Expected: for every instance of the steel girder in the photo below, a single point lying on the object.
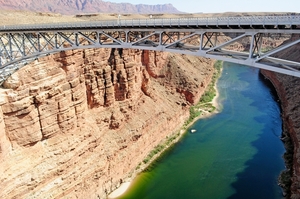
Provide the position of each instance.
(253, 47)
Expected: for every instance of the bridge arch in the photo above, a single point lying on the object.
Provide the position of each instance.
(242, 40)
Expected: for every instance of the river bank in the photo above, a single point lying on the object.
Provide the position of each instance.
(203, 109)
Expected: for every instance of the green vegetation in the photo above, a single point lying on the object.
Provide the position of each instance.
(266, 49)
(205, 102)
(194, 113)
(156, 150)
(160, 147)
(210, 92)
(138, 166)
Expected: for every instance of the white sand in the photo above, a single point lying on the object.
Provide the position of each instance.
(120, 190)
(215, 99)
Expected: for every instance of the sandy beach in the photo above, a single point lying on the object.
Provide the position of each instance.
(120, 190)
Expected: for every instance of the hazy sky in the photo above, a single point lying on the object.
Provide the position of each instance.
(216, 6)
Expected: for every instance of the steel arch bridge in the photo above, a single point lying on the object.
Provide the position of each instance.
(253, 40)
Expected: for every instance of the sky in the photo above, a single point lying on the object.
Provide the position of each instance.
(218, 6)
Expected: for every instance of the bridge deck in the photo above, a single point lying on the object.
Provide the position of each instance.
(208, 37)
(249, 22)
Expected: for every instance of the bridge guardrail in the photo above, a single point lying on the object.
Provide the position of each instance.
(207, 21)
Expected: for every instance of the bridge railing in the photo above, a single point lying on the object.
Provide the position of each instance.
(173, 22)
(215, 21)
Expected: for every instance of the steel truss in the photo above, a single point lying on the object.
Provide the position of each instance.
(259, 48)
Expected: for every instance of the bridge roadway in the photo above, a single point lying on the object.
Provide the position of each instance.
(257, 41)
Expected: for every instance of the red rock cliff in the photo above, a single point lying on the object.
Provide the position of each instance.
(77, 123)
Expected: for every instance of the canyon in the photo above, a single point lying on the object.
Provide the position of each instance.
(77, 123)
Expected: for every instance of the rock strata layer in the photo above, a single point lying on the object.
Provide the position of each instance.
(77, 123)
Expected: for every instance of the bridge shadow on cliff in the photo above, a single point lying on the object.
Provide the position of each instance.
(254, 182)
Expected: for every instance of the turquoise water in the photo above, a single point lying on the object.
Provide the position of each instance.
(235, 154)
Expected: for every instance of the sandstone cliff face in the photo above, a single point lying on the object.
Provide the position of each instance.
(77, 123)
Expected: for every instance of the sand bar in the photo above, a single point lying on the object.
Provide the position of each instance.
(120, 190)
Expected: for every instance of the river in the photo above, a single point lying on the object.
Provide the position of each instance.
(234, 154)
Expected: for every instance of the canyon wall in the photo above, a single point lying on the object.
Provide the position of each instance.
(76, 124)
(288, 89)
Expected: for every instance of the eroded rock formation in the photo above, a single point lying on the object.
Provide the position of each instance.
(77, 123)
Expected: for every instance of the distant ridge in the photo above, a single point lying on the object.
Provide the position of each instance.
(71, 7)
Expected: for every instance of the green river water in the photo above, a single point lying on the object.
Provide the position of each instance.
(235, 154)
